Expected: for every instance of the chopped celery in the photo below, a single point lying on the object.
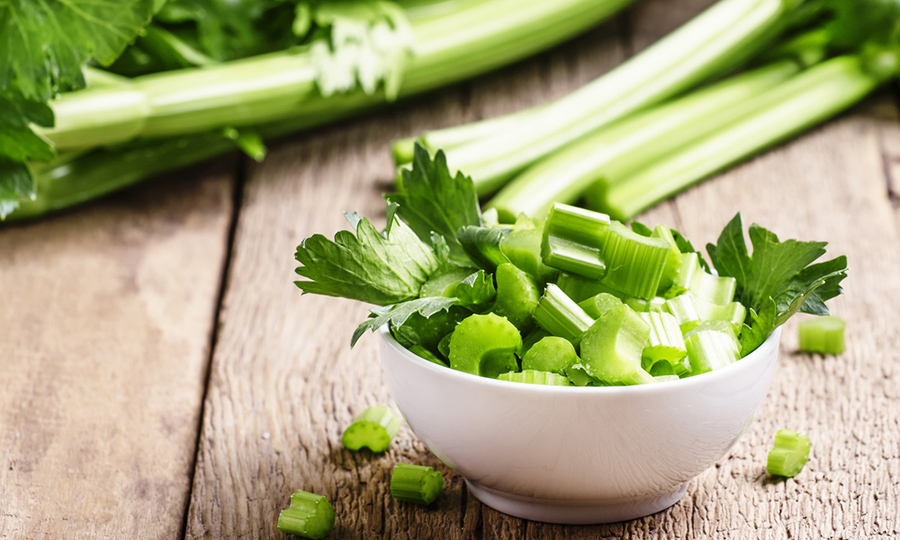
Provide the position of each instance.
(523, 248)
(685, 311)
(687, 269)
(714, 289)
(823, 335)
(673, 259)
(734, 313)
(572, 240)
(374, 429)
(533, 337)
(559, 315)
(666, 344)
(531, 376)
(712, 345)
(517, 295)
(552, 353)
(416, 483)
(485, 345)
(599, 304)
(309, 516)
(579, 376)
(611, 348)
(580, 289)
(789, 453)
(636, 263)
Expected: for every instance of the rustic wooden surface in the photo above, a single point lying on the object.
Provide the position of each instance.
(101, 401)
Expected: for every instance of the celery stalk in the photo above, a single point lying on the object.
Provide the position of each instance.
(561, 316)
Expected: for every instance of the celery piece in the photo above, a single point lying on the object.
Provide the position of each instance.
(531, 376)
(580, 289)
(309, 516)
(559, 315)
(636, 263)
(685, 311)
(611, 347)
(734, 313)
(485, 345)
(572, 240)
(822, 335)
(666, 344)
(416, 483)
(422, 352)
(687, 269)
(599, 304)
(789, 453)
(579, 376)
(523, 248)
(517, 295)
(712, 345)
(533, 337)
(714, 289)
(673, 258)
(374, 429)
(552, 353)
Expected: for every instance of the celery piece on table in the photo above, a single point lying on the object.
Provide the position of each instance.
(822, 335)
(789, 453)
(309, 516)
(416, 483)
(374, 429)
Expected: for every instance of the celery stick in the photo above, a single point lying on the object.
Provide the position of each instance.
(535, 377)
(309, 516)
(523, 249)
(374, 429)
(789, 453)
(416, 483)
(550, 354)
(673, 259)
(687, 269)
(611, 348)
(666, 344)
(517, 295)
(636, 263)
(822, 334)
(572, 240)
(711, 346)
(684, 309)
(714, 289)
(485, 345)
(558, 314)
(599, 304)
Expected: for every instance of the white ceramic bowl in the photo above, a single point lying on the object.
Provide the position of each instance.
(577, 455)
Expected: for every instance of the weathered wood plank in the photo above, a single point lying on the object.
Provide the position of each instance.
(106, 320)
(284, 382)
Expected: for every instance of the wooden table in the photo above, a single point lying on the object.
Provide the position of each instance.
(162, 377)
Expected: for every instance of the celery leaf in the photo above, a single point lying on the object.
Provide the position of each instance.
(398, 314)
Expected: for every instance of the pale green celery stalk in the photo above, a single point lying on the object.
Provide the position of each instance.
(717, 40)
(472, 39)
(807, 99)
(628, 145)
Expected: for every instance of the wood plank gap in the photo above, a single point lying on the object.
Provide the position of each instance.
(237, 198)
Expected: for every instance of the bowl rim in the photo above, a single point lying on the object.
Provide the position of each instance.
(703, 379)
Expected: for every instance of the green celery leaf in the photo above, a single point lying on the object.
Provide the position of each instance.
(369, 266)
(17, 140)
(641, 229)
(760, 327)
(16, 183)
(811, 288)
(45, 43)
(476, 290)
(431, 200)
(397, 314)
(482, 244)
(369, 43)
(864, 21)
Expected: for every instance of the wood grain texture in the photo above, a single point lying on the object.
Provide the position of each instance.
(284, 383)
(105, 329)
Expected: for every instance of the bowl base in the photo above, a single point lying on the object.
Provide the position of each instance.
(574, 512)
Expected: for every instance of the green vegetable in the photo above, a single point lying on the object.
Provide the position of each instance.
(374, 429)
(485, 345)
(789, 453)
(530, 376)
(711, 345)
(558, 314)
(572, 240)
(517, 295)
(636, 263)
(666, 344)
(416, 483)
(550, 354)
(823, 335)
(611, 348)
(309, 516)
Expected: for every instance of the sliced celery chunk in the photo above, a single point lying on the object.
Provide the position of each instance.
(416, 483)
(733, 313)
(687, 269)
(712, 345)
(552, 353)
(559, 315)
(579, 288)
(666, 344)
(579, 376)
(684, 309)
(673, 258)
(309, 516)
(374, 429)
(822, 335)
(531, 376)
(789, 453)
(531, 338)
(572, 240)
(599, 304)
(517, 295)
(611, 348)
(485, 345)
(635, 263)
(523, 248)
(713, 289)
